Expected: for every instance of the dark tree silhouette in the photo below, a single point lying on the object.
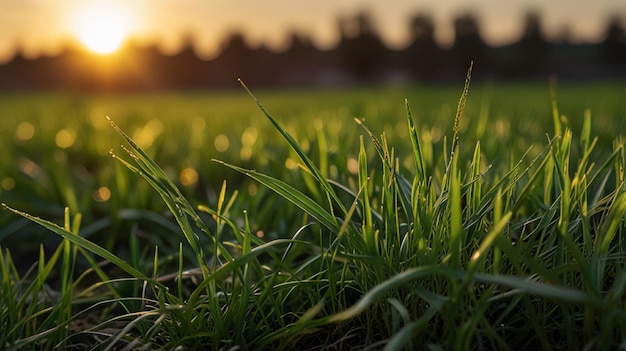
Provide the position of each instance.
(300, 62)
(614, 43)
(235, 59)
(423, 54)
(360, 49)
(189, 72)
(468, 43)
(532, 48)
(359, 57)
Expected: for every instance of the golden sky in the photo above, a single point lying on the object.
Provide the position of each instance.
(42, 26)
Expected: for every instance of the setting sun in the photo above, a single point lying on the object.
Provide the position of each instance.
(101, 26)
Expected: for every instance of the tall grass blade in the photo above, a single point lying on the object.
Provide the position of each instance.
(460, 108)
(418, 157)
(311, 167)
(556, 120)
(82, 242)
(290, 193)
(368, 228)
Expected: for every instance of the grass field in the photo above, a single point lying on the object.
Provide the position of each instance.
(498, 228)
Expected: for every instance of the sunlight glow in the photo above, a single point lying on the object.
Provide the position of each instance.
(25, 131)
(221, 143)
(102, 194)
(8, 183)
(188, 177)
(101, 26)
(65, 138)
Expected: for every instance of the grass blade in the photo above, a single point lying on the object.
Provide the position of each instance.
(84, 243)
(311, 167)
(292, 194)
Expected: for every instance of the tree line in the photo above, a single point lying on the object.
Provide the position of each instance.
(360, 57)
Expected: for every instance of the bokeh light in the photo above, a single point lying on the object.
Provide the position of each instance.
(144, 137)
(97, 117)
(65, 138)
(221, 143)
(291, 164)
(8, 183)
(188, 176)
(353, 166)
(248, 138)
(25, 131)
(102, 194)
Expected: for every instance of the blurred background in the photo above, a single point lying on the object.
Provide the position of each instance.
(166, 72)
(91, 45)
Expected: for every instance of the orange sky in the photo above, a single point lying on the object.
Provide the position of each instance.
(40, 26)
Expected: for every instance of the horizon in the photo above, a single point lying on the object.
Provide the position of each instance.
(37, 28)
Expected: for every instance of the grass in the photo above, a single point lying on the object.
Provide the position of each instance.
(441, 245)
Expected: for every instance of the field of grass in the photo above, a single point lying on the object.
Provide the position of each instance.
(198, 221)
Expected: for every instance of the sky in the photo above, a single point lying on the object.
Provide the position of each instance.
(42, 26)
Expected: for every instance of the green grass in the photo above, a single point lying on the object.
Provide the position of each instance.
(498, 226)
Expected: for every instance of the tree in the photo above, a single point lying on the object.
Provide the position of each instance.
(423, 53)
(360, 49)
(468, 43)
(614, 43)
(532, 48)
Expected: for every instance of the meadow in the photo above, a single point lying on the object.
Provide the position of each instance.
(339, 218)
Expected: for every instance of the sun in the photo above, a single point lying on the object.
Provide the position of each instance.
(101, 26)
